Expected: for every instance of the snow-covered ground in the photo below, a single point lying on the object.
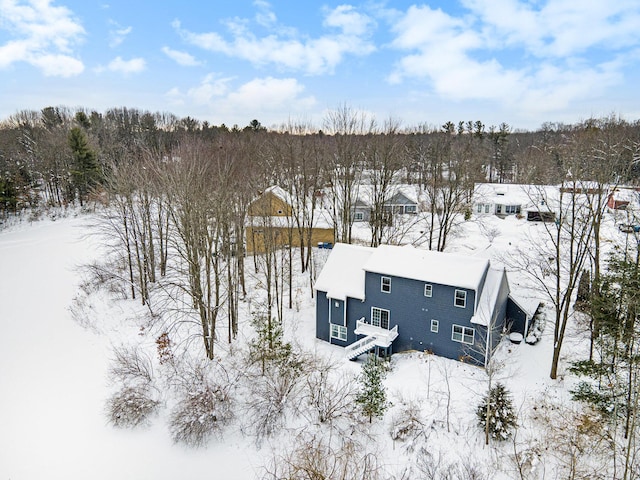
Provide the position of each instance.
(53, 377)
(53, 372)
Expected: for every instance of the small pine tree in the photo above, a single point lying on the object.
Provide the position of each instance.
(269, 346)
(502, 417)
(372, 397)
(584, 292)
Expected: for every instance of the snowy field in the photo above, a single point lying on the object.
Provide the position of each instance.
(53, 372)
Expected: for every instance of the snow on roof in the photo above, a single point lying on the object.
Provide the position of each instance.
(281, 193)
(624, 194)
(428, 266)
(504, 194)
(343, 274)
(321, 219)
(528, 304)
(410, 192)
(488, 297)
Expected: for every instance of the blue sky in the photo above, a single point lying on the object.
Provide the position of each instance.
(523, 62)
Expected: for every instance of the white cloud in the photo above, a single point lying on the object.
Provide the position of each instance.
(135, 65)
(210, 88)
(285, 49)
(560, 27)
(181, 58)
(118, 34)
(58, 65)
(508, 53)
(265, 15)
(264, 97)
(41, 34)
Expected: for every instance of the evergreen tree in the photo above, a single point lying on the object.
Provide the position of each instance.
(610, 381)
(84, 169)
(498, 409)
(372, 397)
(584, 292)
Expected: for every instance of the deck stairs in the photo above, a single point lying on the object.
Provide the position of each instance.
(374, 337)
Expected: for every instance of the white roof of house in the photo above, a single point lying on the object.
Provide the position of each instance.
(502, 193)
(365, 192)
(343, 274)
(428, 266)
(488, 297)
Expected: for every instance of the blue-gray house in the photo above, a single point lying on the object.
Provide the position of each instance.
(404, 298)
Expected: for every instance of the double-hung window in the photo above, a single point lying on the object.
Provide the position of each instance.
(385, 284)
(435, 325)
(463, 334)
(380, 317)
(428, 290)
(339, 332)
(460, 299)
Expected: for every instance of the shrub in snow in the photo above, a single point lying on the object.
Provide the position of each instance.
(497, 410)
(536, 328)
(131, 406)
(372, 396)
(136, 400)
(320, 456)
(407, 424)
(328, 396)
(271, 397)
(198, 414)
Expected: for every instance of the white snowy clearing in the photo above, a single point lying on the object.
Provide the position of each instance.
(53, 374)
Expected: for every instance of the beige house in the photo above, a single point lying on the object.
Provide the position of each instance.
(271, 223)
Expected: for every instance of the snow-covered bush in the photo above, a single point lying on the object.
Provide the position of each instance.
(131, 406)
(136, 399)
(536, 328)
(271, 396)
(200, 412)
(321, 456)
(328, 396)
(407, 423)
(498, 411)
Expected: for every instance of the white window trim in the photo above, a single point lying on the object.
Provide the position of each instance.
(464, 300)
(382, 284)
(464, 332)
(435, 326)
(430, 289)
(340, 330)
(358, 216)
(388, 317)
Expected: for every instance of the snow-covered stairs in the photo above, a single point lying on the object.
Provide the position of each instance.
(358, 348)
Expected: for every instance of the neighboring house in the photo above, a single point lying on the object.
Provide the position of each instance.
(270, 221)
(619, 199)
(500, 199)
(398, 204)
(361, 211)
(503, 200)
(403, 298)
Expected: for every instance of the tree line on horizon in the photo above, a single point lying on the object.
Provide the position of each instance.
(58, 156)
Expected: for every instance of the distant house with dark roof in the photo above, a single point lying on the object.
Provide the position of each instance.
(400, 203)
(403, 298)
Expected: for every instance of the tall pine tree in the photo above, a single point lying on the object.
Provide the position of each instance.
(85, 173)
